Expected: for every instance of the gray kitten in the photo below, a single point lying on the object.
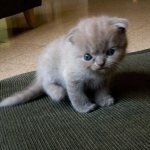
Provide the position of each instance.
(83, 59)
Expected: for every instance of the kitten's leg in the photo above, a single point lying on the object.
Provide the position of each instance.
(79, 100)
(103, 98)
(56, 92)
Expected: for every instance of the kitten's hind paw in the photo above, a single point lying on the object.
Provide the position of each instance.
(58, 95)
(105, 101)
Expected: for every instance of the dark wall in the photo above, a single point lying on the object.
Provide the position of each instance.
(11, 7)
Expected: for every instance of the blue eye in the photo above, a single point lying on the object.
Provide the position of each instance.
(111, 51)
(87, 57)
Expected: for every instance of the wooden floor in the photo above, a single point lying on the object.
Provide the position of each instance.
(21, 46)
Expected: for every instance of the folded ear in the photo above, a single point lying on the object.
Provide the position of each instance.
(71, 34)
(121, 23)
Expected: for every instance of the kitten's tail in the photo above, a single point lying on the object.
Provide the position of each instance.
(31, 92)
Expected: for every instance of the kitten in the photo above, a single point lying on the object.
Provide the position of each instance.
(85, 58)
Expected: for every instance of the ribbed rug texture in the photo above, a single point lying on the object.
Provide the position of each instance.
(46, 125)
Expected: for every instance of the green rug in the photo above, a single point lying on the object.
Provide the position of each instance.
(46, 125)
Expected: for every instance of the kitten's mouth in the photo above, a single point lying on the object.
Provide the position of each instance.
(100, 69)
(104, 69)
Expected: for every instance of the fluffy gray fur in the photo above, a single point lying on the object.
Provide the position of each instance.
(63, 69)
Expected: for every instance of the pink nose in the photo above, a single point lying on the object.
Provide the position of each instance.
(100, 64)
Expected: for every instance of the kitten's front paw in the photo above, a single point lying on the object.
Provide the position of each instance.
(85, 108)
(105, 101)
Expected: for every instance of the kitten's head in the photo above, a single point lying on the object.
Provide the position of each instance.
(101, 42)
